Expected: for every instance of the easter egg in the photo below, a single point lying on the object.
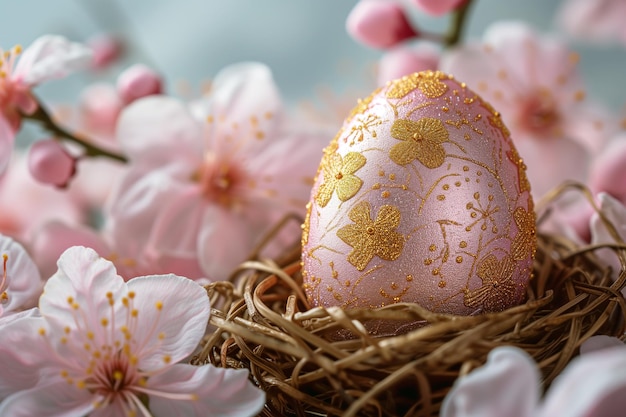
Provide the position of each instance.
(421, 198)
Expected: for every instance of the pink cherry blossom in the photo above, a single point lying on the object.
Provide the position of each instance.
(47, 58)
(379, 23)
(105, 347)
(404, 60)
(598, 20)
(508, 385)
(50, 163)
(438, 7)
(533, 82)
(205, 183)
(20, 282)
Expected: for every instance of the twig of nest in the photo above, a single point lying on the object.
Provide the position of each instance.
(261, 322)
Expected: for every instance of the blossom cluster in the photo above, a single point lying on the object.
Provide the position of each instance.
(110, 225)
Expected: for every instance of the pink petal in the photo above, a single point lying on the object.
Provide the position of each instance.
(591, 385)
(438, 7)
(7, 137)
(53, 238)
(405, 60)
(552, 162)
(600, 342)
(286, 186)
(176, 226)
(224, 242)
(51, 57)
(25, 284)
(21, 353)
(154, 128)
(246, 110)
(176, 327)
(507, 386)
(220, 392)
(56, 399)
(76, 295)
(615, 213)
(100, 107)
(379, 24)
(138, 201)
(608, 169)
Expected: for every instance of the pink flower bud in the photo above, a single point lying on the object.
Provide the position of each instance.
(50, 163)
(404, 60)
(379, 24)
(439, 7)
(138, 81)
(106, 50)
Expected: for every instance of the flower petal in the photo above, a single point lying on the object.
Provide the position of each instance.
(220, 392)
(599, 342)
(76, 295)
(54, 237)
(25, 284)
(245, 104)
(591, 385)
(219, 256)
(507, 386)
(151, 129)
(58, 399)
(173, 328)
(615, 213)
(7, 138)
(51, 57)
(21, 353)
(140, 198)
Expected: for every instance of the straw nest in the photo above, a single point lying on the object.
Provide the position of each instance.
(261, 321)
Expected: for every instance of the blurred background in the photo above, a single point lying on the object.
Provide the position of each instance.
(304, 42)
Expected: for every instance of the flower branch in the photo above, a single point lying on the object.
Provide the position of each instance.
(459, 19)
(42, 116)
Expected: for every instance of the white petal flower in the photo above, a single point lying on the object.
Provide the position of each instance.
(106, 347)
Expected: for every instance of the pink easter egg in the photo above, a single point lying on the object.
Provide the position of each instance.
(421, 198)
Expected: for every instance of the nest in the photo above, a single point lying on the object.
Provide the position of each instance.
(261, 322)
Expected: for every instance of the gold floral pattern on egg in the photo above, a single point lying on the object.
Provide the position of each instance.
(523, 183)
(339, 177)
(370, 238)
(421, 140)
(525, 240)
(498, 285)
(428, 82)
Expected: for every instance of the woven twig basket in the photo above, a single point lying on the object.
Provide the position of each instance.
(261, 322)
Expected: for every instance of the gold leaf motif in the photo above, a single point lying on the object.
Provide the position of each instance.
(498, 285)
(525, 241)
(339, 176)
(372, 237)
(421, 140)
(428, 82)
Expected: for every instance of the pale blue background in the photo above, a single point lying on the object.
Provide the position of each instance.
(303, 41)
